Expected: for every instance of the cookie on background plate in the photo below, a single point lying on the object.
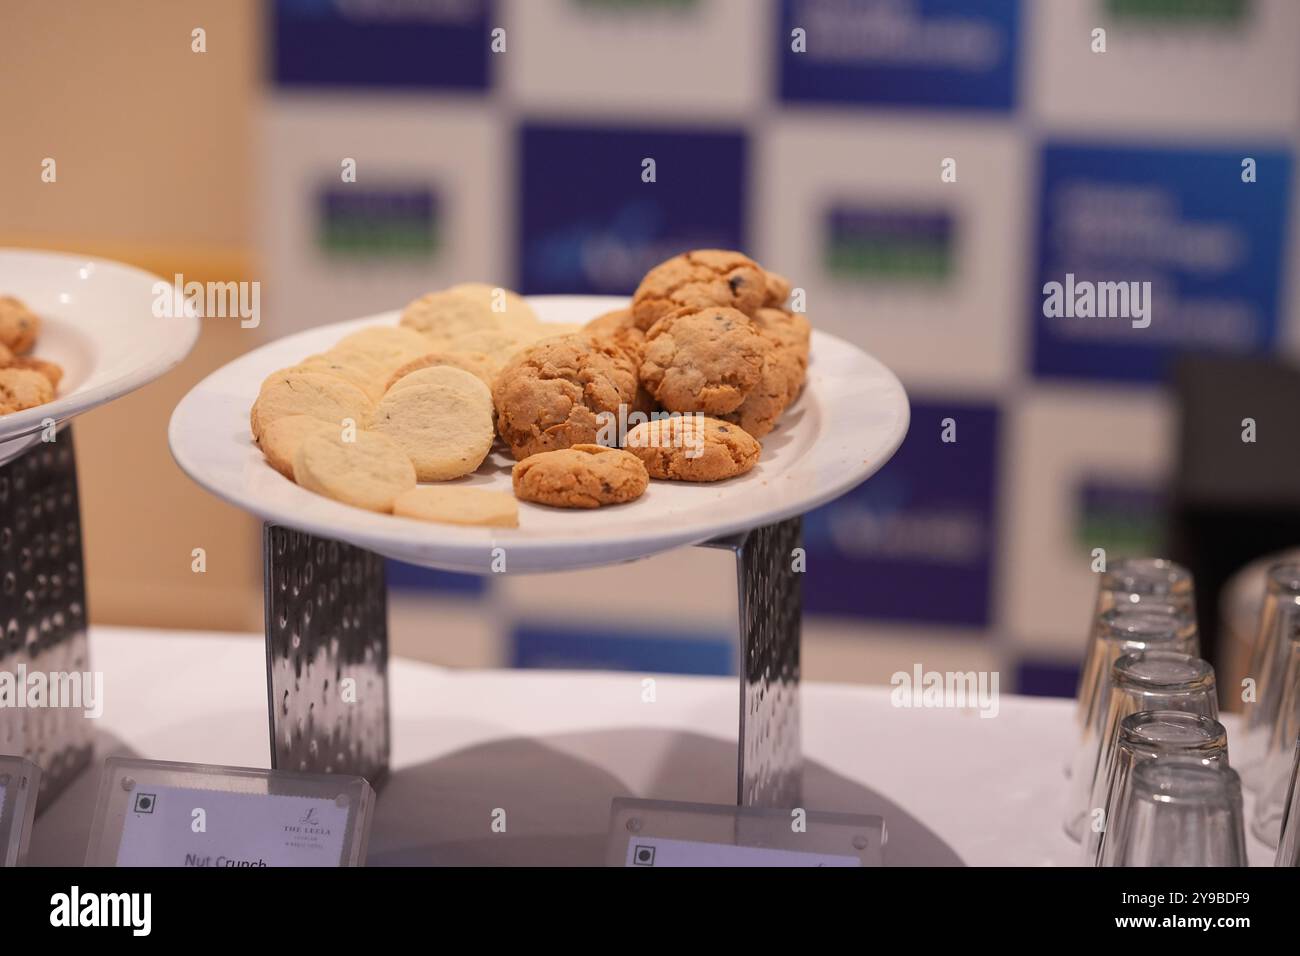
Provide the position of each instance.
(370, 471)
(549, 395)
(23, 388)
(479, 364)
(693, 448)
(697, 280)
(457, 504)
(19, 325)
(584, 476)
(444, 425)
(703, 361)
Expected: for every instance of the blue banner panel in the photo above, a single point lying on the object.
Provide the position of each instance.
(916, 541)
(591, 223)
(411, 44)
(1147, 253)
(913, 53)
(573, 648)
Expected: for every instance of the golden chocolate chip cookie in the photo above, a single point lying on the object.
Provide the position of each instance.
(549, 396)
(584, 476)
(697, 280)
(703, 361)
(22, 388)
(19, 325)
(693, 448)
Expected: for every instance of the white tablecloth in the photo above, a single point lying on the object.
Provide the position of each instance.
(554, 748)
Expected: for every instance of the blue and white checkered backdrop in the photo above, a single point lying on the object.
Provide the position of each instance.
(812, 133)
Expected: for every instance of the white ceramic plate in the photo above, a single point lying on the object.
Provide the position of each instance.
(97, 322)
(851, 418)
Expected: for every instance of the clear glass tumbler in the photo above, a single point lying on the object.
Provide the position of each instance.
(1123, 630)
(1125, 582)
(1278, 620)
(1288, 848)
(1181, 812)
(1145, 736)
(1273, 773)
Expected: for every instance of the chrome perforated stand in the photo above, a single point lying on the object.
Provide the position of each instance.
(326, 655)
(326, 610)
(43, 600)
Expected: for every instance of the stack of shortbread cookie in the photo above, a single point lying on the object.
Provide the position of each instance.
(703, 362)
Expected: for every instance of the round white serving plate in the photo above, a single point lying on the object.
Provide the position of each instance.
(850, 419)
(97, 322)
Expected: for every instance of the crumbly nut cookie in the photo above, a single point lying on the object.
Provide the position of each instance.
(390, 345)
(455, 504)
(790, 329)
(281, 439)
(297, 392)
(778, 384)
(697, 280)
(444, 425)
(478, 364)
(703, 361)
(19, 325)
(693, 448)
(369, 472)
(50, 370)
(777, 289)
(22, 388)
(620, 327)
(583, 476)
(549, 395)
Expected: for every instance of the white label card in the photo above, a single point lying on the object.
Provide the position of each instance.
(178, 826)
(654, 851)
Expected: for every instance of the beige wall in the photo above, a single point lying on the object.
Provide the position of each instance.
(154, 155)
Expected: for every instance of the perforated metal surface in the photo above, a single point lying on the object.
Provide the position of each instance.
(327, 655)
(771, 606)
(43, 606)
(770, 761)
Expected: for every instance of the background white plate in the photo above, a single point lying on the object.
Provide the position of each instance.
(97, 322)
(851, 418)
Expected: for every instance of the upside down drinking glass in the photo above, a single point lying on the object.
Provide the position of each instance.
(1123, 630)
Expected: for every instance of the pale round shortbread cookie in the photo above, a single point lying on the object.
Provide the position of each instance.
(295, 392)
(364, 371)
(459, 505)
(369, 472)
(391, 345)
(464, 309)
(444, 425)
(281, 438)
(482, 366)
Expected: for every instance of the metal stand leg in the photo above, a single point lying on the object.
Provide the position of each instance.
(326, 622)
(43, 607)
(769, 765)
(326, 655)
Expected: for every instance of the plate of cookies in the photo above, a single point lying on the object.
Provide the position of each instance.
(76, 332)
(479, 431)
